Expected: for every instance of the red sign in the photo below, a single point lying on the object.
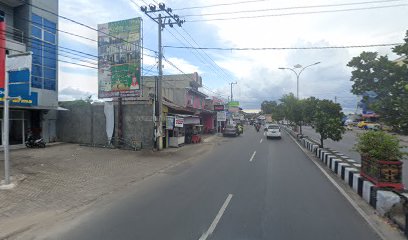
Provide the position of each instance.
(218, 107)
(2, 49)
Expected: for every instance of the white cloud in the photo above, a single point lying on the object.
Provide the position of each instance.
(70, 94)
(181, 64)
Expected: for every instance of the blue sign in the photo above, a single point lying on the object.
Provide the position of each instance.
(19, 86)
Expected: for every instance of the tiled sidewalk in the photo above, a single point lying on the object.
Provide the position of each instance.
(63, 177)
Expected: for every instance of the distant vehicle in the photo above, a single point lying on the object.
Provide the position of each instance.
(362, 124)
(372, 126)
(230, 130)
(273, 131)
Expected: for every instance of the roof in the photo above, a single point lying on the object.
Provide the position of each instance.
(176, 108)
(197, 92)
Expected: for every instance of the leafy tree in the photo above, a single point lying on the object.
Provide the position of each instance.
(309, 109)
(327, 121)
(268, 107)
(292, 109)
(388, 80)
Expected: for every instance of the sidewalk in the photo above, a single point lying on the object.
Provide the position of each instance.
(56, 180)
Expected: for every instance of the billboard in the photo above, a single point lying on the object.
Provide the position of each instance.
(19, 71)
(233, 104)
(119, 59)
(218, 107)
(221, 116)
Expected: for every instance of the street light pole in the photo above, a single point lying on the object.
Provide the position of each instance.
(298, 74)
(231, 89)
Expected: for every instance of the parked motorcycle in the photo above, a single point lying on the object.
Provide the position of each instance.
(33, 142)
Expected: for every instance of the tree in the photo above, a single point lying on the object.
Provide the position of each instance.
(327, 120)
(268, 107)
(292, 109)
(388, 80)
(309, 109)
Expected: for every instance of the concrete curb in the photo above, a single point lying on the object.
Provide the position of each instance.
(349, 171)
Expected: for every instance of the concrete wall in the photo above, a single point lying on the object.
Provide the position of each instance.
(86, 124)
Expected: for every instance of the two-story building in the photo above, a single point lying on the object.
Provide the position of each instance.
(26, 27)
(181, 99)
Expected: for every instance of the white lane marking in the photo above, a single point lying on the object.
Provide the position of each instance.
(341, 190)
(216, 219)
(264, 133)
(261, 140)
(253, 155)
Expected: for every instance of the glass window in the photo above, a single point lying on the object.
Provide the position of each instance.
(50, 62)
(36, 32)
(50, 73)
(37, 20)
(49, 84)
(37, 70)
(37, 55)
(49, 37)
(50, 26)
(36, 82)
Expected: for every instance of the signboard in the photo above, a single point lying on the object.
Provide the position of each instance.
(218, 107)
(192, 120)
(179, 122)
(19, 71)
(233, 104)
(170, 122)
(119, 59)
(221, 116)
(233, 109)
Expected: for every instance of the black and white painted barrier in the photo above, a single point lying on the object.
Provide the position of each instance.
(349, 170)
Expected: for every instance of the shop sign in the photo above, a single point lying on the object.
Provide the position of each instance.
(221, 116)
(218, 107)
(170, 122)
(179, 122)
(233, 104)
(192, 120)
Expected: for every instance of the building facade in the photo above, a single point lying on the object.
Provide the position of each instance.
(31, 26)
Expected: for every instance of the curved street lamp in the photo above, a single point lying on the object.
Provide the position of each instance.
(298, 74)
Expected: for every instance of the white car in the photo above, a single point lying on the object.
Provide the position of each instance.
(274, 131)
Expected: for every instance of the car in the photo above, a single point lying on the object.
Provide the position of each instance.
(372, 126)
(362, 124)
(230, 130)
(274, 131)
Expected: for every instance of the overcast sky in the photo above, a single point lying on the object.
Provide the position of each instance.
(256, 72)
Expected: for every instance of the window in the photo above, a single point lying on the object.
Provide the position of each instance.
(50, 26)
(36, 82)
(50, 73)
(49, 37)
(36, 32)
(37, 70)
(37, 20)
(49, 84)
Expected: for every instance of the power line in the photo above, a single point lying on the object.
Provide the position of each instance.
(221, 4)
(174, 66)
(84, 25)
(295, 13)
(205, 53)
(285, 48)
(290, 8)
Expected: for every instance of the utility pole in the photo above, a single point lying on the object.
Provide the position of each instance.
(231, 90)
(168, 19)
(335, 99)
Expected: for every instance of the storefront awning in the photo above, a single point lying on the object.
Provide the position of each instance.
(38, 108)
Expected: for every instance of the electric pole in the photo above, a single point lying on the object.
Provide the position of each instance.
(231, 90)
(168, 19)
(335, 99)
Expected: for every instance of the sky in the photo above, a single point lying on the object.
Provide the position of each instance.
(278, 24)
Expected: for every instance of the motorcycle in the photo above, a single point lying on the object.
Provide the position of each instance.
(257, 128)
(35, 142)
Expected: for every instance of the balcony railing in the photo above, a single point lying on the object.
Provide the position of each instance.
(15, 34)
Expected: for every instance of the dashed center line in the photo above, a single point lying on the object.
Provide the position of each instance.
(253, 155)
(261, 140)
(216, 219)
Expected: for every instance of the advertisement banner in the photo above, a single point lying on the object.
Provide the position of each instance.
(233, 104)
(179, 122)
(218, 107)
(170, 122)
(119, 59)
(19, 71)
(221, 116)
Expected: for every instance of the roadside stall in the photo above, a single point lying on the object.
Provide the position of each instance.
(190, 122)
(197, 131)
(175, 126)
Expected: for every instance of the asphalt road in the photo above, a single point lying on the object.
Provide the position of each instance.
(230, 193)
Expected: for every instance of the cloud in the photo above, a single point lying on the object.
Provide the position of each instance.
(70, 94)
(182, 66)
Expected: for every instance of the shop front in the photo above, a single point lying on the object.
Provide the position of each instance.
(175, 131)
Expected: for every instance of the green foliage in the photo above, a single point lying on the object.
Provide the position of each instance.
(388, 80)
(292, 108)
(327, 120)
(379, 145)
(309, 109)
